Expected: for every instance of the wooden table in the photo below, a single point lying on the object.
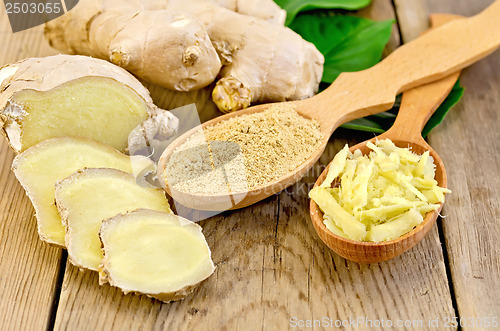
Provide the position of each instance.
(273, 272)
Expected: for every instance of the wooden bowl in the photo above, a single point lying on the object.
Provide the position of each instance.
(374, 252)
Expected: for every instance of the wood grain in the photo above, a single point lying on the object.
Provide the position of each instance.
(28, 268)
(413, 18)
(469, 144)
(271, 266)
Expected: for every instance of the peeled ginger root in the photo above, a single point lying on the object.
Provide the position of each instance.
(90, 196)
(63, 95)
(41, 166)
(161, 255)
(380, 196)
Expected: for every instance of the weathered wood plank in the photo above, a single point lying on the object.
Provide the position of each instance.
(28, 268)
(468, 141)
(271, 267)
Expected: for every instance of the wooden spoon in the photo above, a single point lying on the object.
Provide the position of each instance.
(433, 56)
(417, 105)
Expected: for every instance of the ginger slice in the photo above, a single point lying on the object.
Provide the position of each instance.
(100, 108)
(64, 95)
(90, 196)
(41, 166)
(161, 255)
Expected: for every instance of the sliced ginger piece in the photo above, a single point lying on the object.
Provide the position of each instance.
(94, 107)
(64, 95)
(90, 196)
(41, 166)
(396, 227)
(161, 255)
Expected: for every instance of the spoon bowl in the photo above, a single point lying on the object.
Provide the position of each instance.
(417, 106)
(433, 56)
(232, 200)
(374, 252)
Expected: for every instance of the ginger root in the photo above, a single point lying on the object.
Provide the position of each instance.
(161, 255)
(185, 45)
(88, 197)
(41, 166)
(64, 95)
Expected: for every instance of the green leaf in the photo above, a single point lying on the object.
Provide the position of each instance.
(364, 124)
(348, 43)
(293, 7)
(378, 123)
(381, 122)
(351, 44)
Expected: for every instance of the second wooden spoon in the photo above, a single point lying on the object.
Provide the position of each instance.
(417, 105)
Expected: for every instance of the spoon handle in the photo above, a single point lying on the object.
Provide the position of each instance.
(433, 56)
(419, 103)
(417, 106)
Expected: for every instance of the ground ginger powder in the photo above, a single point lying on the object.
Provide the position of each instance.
(244, 152)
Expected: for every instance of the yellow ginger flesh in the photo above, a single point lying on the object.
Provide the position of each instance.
(158, 254)
(95, 107)
(40, 167)
(380, 196)
(90, 196)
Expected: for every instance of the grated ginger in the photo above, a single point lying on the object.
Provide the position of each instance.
(380, 196)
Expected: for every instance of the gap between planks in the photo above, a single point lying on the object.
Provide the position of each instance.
(469, 145)
(57, 290)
